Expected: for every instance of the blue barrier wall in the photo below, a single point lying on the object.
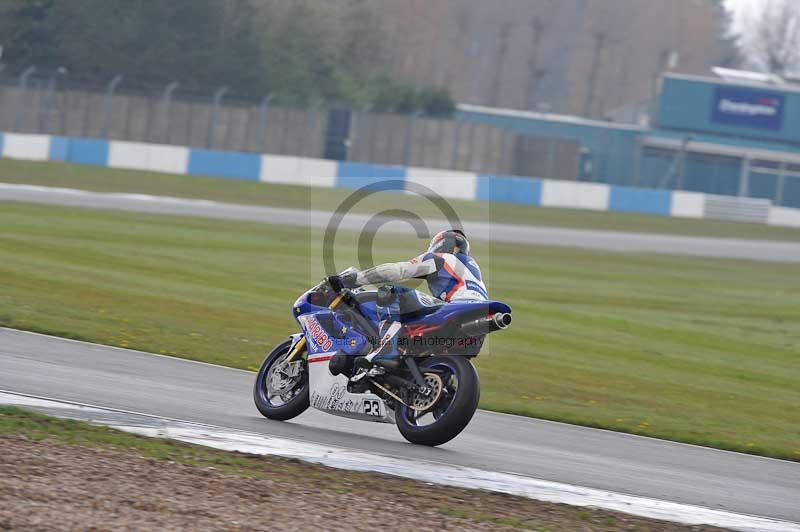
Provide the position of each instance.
(509, 189)
(647, 201)
(59, 149)
(224, 164)
(88, 151)
(454, 185)
(79, 150)
(358, 175)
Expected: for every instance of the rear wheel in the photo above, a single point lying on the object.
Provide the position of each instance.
(281, 388)
(441, 416)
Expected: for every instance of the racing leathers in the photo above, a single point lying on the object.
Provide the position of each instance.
(450, 277)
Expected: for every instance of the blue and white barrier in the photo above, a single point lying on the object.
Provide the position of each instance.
(287, 170)
(151, 157)
(446, 183)
(279, 169)
(30, 147)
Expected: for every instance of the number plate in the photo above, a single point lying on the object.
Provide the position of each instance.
(372, 407)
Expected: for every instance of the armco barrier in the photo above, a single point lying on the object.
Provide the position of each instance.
(344, 174)
(737, 209)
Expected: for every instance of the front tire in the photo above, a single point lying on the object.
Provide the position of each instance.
(452, 412)
(294, 401)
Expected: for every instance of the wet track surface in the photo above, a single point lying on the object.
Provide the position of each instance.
(169, 387)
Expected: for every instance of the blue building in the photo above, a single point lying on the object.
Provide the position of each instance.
(733, 134)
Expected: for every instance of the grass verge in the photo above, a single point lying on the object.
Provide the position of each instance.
(102, 179)
(695, 350)
(162, 483)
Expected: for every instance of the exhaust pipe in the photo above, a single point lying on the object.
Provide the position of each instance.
(487, 324)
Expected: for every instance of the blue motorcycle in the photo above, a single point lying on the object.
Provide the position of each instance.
(431, 396)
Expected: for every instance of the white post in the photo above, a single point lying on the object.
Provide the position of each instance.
(744, 177)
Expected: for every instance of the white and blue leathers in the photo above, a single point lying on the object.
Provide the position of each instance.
(450, 277)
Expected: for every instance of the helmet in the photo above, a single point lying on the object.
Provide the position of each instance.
(447, 241)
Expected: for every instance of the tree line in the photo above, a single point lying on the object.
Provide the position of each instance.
(300, 51)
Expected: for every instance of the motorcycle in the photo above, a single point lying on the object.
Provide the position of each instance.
(431, 394)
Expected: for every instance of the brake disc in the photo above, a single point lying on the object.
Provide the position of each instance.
(422, 403)
(282, 377)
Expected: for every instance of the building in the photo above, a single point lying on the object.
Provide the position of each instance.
(733, 133)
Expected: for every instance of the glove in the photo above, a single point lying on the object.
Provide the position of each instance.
(335, 282)
(346, 279)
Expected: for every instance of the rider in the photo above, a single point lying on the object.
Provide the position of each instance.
(452, 275)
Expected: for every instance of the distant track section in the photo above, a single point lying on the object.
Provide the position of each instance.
(730, 248)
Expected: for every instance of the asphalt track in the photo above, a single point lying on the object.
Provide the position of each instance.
(760, 250)
(170, 387)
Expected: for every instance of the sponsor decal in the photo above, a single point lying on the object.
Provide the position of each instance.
(318, 334)
(337, 399)
(767, 107)
(748, 107)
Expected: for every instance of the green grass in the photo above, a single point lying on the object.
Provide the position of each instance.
(695, 350)
(111, 180)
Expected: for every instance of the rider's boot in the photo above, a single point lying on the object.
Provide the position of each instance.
(384, 357)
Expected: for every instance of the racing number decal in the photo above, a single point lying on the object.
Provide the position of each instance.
(372, 407)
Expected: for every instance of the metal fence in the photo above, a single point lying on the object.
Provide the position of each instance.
(55, 105)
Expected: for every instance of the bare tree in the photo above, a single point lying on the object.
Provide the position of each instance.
(771, 40)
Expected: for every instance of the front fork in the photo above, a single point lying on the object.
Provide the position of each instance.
(297, 347)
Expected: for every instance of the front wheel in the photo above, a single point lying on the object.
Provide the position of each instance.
(281, 388)
(439, 418)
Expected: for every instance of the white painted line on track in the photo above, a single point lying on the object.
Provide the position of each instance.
(423, 470)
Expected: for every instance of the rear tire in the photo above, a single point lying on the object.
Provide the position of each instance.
(459, 412)
(296, 405)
